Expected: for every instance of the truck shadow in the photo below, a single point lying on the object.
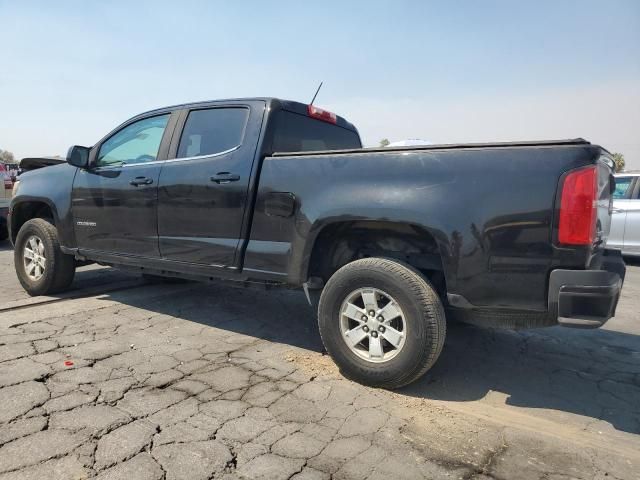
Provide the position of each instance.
(632, 261)
(593, 373)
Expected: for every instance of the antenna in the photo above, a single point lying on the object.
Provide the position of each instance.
(314, 97)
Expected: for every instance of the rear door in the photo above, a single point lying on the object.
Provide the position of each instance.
(632, 224)
(204, 185)
(621, 195)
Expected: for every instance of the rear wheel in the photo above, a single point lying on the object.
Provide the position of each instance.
(382, 322)
(41, 266)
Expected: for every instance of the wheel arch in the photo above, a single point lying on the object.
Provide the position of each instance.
(28, 208)
(338, 243)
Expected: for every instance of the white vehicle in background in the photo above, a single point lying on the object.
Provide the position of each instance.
(410, 142)
(625, 221)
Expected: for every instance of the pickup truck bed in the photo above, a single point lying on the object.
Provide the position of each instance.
(387, 241)
(464, 204)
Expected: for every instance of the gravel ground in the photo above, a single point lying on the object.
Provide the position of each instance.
(207, 381)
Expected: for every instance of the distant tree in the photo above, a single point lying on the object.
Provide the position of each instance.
(384, 142)
(618, 159)
(6, 156)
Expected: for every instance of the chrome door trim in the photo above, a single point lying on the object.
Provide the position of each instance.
(198, 157)
(171, 160)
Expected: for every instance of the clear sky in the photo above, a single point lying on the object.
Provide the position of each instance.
(445, 71)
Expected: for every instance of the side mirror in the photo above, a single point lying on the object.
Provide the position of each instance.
(78, 156)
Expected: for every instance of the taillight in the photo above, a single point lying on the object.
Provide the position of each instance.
(578, 207)
(321, 114)
(8, 184)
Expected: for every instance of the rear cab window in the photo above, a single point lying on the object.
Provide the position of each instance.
(299, 133)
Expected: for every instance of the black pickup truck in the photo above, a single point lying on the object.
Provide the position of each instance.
(384, 240)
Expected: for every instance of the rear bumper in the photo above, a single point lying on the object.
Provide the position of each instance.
(587, 298)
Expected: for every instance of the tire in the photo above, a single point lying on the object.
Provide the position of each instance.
(422, 320)
(59, 269)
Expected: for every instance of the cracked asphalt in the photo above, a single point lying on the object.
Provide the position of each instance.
(190, 381)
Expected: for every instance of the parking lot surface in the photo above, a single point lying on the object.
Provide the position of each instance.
(172, 381)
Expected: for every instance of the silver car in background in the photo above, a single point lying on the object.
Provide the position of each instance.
(625, 221)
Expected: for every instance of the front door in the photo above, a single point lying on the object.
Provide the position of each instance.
(632, 225)
(624, 187)
(203, 189)
(115, 200)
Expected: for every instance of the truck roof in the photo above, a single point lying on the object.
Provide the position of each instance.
(272, 103)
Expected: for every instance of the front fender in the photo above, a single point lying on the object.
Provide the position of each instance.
(50, 186)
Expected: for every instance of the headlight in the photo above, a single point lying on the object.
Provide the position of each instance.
(14, 192)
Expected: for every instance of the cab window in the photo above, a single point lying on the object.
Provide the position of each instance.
(212, 131)
(138, 142)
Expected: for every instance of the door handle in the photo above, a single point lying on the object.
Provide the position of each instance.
(141, 181)
(225, 177)
(618, 210)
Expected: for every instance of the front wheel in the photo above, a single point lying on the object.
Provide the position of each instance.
(381, 322)
(41, 266)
